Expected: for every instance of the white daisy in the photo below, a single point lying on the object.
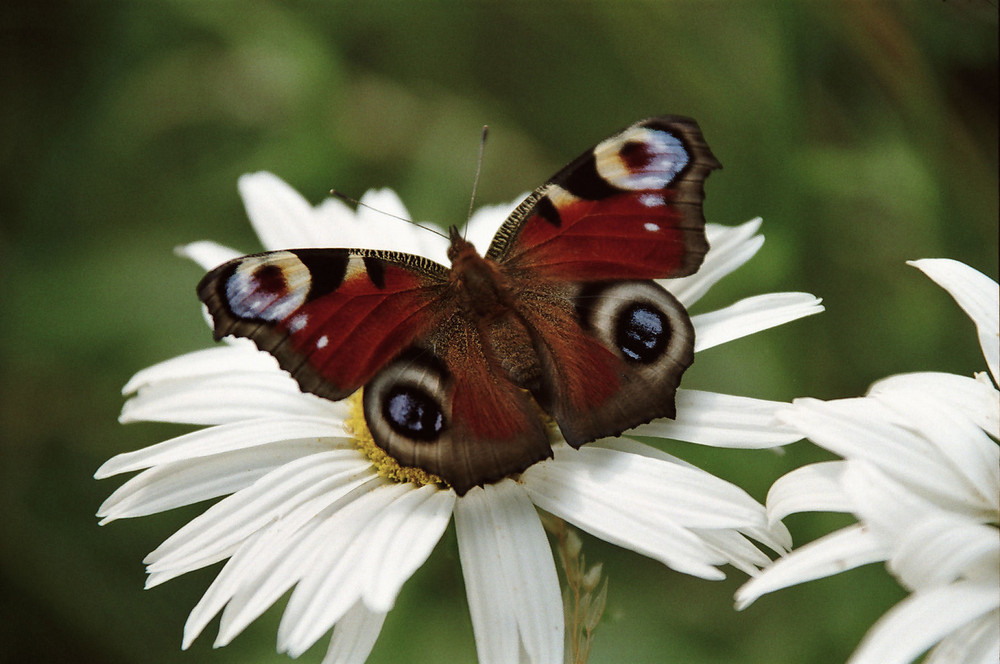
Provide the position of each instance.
(921, 472)
(305, 508)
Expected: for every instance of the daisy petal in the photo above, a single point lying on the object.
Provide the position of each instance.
(834, 553)
(281, 217)
(812, 488)
(174, 484)
(940, 549)
(405, 540)
(330, 587)
(751, 315)
(287, 549)
(921, 620)
(207, 254)
(731, 247)
(978, 401)
(979, 297)
(220, 360)
(221, 439)
(222, 399)
(977, 642)
(228, 522)
(722, 420)
(510, 577)
(574, 487)
(354, 636)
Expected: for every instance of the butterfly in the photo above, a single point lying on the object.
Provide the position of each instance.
(462, 366)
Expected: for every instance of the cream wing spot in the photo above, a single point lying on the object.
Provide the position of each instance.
(268, 288)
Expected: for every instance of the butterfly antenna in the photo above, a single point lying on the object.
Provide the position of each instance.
(479, 168)
(348, 199)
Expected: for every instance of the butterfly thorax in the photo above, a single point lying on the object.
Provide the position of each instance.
(480, 286)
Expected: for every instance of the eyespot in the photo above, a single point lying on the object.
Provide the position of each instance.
(407, 405)
(413, 412)
(637, 320)
(268, 287)
(641, 332)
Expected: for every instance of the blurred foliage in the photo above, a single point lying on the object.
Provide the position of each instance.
(864, 133)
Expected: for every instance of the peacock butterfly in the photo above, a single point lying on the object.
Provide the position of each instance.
(561, 314)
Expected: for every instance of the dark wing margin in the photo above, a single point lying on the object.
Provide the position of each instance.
(331, 317)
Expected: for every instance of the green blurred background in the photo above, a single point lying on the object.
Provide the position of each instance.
(864, 133)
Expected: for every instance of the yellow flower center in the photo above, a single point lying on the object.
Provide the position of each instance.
(386, 466)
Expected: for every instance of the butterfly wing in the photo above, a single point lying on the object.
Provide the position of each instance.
(630, 208)
(339, 319)
(579, 253)
(331, 317)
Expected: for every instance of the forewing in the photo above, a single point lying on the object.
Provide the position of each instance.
(331, 317)
(630, 208)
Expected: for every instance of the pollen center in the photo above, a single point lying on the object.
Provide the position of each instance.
(386, 465)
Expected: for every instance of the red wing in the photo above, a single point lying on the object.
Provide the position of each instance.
(630, 208)
(331, 317)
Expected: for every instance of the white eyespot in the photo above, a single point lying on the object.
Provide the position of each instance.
(641, 158)
(268, 287)
(298, 322)
(651, 227)
(322, 341)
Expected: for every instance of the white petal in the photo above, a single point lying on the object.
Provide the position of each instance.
(957, 441)
(190, 481)
(290, 547)
(354, 636)
(219, 399)
(977, 642)
(722, 420)
(943, 548)
(331, 585)
(220, 439)
(510, 577)
(977, 400)
(207, 254)
(485, 222)
(402, 541)
(739, 551)
(834, 553)
(862, 429)
(812, 488)
(979, 297)
(281, 217)
(220, 360)
(923, 619)
(730, 247)
(751, 315)
(646, 511)
(233, 519)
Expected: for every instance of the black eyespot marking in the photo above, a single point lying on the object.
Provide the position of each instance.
(327, 268)
(642, 333)
(412, 412)
(584, 181)
(548, 212)
(376, 271)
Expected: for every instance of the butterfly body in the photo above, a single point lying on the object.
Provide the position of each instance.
(560, 315)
